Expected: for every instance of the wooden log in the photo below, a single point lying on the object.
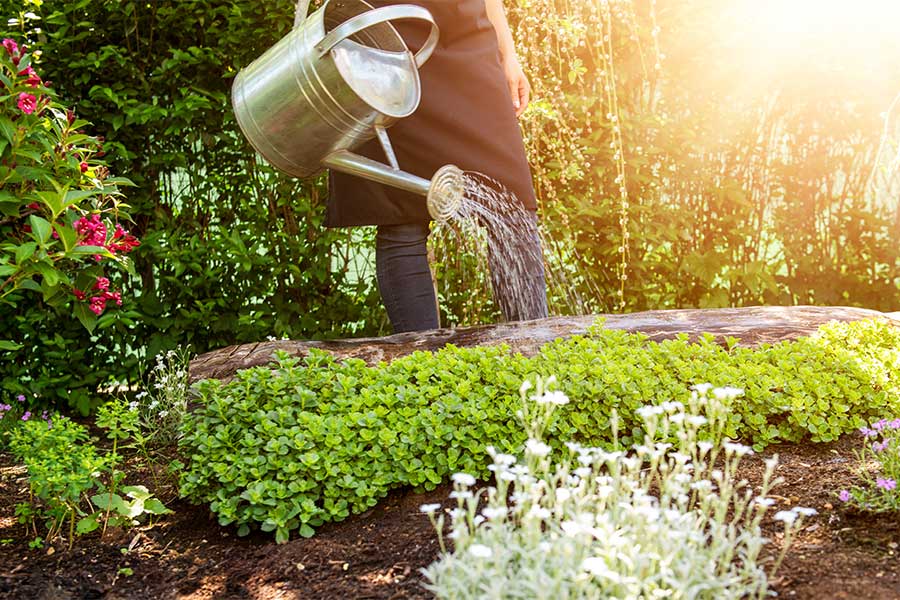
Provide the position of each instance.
(750, 325)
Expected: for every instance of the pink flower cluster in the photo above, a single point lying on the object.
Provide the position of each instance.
(122, 241)
(98, 301)
(93, 233)
(27, 103)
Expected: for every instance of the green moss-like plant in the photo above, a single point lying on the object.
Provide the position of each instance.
(314, 440)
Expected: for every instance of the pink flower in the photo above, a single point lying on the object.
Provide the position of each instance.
(33, 79)
(117, 296)
(102, 284)
(78, 294)
(84, 167)
(12, 48)
(92, 231)
(123, 241)
(844, 496)
(27, 103)
(885, 484)
(98, 303)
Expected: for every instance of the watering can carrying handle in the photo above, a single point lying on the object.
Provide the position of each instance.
(380, 15)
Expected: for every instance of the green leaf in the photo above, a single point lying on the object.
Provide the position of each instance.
(112, 502)
(89, 523)
(25, 251)
(7, 345)
(155, 507)
(7, 129)
(68, 236)
(40, 229)
(88, 319)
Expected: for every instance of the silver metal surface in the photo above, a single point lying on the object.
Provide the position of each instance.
(339, 78)
(446, 192)
(296, 107)
(353, 164)
(385, 141)
(397, 12)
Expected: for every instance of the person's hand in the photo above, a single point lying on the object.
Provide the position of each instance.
(519, 88)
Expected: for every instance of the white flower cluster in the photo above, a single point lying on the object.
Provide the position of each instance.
(605, 523)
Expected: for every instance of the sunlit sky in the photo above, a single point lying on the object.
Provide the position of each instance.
(757, 44)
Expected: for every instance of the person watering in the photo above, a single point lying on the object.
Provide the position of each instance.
(473, 91)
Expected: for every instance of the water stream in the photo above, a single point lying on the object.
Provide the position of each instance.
(508, 246)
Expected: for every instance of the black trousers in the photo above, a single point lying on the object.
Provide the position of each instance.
(404, 277)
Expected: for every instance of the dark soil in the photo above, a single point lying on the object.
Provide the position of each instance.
(839, 553)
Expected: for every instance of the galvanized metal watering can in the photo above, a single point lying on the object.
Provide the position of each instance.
(340, 78)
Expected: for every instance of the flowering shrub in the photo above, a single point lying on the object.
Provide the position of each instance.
(162, 403)
(879, 468)
(664, 521)
(60, 210)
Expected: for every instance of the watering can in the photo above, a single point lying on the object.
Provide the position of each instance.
(341, 77)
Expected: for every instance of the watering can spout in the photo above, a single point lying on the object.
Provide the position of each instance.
(444, 192)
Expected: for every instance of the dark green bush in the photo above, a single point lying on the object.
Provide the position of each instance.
(231, 251)
(312, 441)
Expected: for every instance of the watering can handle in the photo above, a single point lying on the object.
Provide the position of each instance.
(380, 15)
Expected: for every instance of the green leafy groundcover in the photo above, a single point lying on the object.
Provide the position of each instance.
(314, 440)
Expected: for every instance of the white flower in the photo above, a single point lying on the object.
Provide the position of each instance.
(702, 388)
(563, 494)
(463, 479)
(604, 492)
(697, 421)
(539, 512)
(537, 448)
(680, 457)
(163, 414)
(153, 404)
(556, 398)
(583, 472)
(457, 514)
(494, 513)
(765, 502)
(806, 512)
(672, 406)
(429, 508)
(460, 494)
(526, 385)
(504, 459)
(738, 449)
(649, 410)
(788, 516)
(507, 476)
(704, 447)
(132, 406)
(727, 393)
(140, 395)
(574, 446)
(574, 528)
(597, 566)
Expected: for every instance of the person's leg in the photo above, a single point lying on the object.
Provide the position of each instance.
(517, 267)
(404, 277)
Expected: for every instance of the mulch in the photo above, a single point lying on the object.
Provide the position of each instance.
(840, 553)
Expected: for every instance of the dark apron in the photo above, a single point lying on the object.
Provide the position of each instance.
(466, 118)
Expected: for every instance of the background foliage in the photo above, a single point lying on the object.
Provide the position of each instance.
(668, 177)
